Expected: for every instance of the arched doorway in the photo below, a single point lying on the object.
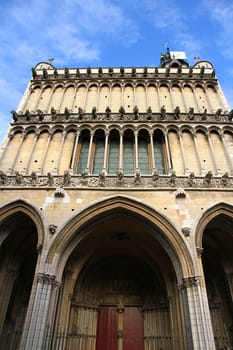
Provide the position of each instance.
(217, 261)
(119, 289)
(18, 257)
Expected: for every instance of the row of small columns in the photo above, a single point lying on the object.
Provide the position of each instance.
(181, 86)
(121, 133)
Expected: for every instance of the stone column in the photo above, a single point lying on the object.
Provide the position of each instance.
(18, 151)
(32, 150)
(121, 151)
(74, 152)
(44, 305)
(60, 150)
(168, 151)
(2, 156)
(106, 149)
(50, 134)
(37, 102)
(136, 149)
(229, 161)
(197, 152)
(89, 152)
(212, 153)
(152, 150)
(197, 321)
(180, 136)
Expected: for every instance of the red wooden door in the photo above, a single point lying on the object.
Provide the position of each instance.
(106, 337)
(133, 329)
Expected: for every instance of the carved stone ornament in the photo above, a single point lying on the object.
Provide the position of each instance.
(52, 229)
(186, 231)
(180, 193)
(59, 192)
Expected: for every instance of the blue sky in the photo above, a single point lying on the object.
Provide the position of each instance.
(98, 33)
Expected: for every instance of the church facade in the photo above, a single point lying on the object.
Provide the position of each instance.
(117, 210)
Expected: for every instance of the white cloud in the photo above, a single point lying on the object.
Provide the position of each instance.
(222, 14)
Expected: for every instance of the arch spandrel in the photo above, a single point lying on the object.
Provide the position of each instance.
(166, 233)
(221, 208)
(30, 210)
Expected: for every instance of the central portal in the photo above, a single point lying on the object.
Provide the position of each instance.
(120, 328)
(120, 303)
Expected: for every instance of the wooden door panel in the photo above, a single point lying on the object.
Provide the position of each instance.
(106, 337)
(133, 332)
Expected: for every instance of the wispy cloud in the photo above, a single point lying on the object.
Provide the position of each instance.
(221, 13)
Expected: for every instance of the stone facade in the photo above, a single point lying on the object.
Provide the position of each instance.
(116, 211)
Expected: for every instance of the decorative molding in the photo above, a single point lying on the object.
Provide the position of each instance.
(178, 183)
(94, 117)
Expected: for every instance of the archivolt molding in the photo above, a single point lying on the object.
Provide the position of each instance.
(209, 214)
(68, 237)
(23, 206)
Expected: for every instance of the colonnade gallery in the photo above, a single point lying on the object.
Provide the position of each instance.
(116, 210)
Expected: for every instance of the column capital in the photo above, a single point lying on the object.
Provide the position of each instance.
(45, 278)
(190, 282)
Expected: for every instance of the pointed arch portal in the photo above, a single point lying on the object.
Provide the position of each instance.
(119, 283)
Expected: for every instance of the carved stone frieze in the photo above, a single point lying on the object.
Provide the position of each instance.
(82, 117)
(59, 182)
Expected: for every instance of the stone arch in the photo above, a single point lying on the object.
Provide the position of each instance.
(214, 246)
(21, 239)
(23, 206)
(221, 208)
(169, 237)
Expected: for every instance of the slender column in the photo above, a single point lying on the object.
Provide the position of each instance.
(134, 96)
(32, 150)
(208, 100)
(50, 97)
(74, 151)
(183, 98)
(18, 151)
(60, 151)
(106, 149)
(74, 97)
(10, 137)
(147, 99)
(182, 150)
(85, 101)
(136, 149)
(197, 152)
(212, 153)
(122, 94)
(89, 152)
(152, 150)
(199, 333)
(196, 99)
(46, 150)
(168, 151)
(98, 98)
(171, 96)
(227, 153)
(44, 306)
(38, 99)
(62, 98)
(158, 96)
(121, 150)
(110, 96)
